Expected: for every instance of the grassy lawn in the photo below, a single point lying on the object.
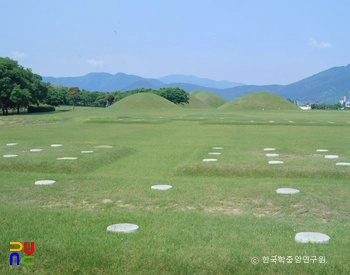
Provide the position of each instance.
(215, 219)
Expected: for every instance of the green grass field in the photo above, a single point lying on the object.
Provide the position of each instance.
(217, 217)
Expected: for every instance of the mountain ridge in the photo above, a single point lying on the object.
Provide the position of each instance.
(327, 86)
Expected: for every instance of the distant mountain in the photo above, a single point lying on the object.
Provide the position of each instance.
(328, 86)
(103, 82)
(205, 82)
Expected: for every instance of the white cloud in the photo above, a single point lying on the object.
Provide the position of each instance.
(95, 63)
(19, 55)
(321, 45)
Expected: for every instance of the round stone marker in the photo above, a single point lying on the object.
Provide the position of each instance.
(208, 160)
(269, 149)
(218, 148)
(331, 156)
(67, 158)
(321, 150)
(56, 145)
(87, 152)
(11, 144)
(272, 155)
(275, 162)
(36, 150)
(343, 163)
(45, 182)
(312, 237)
(214, 153)
(162, 187)
(103, 146)
(123, 227)
(10, 156)
(287, 191)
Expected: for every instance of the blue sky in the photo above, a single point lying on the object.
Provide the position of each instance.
(250, 41)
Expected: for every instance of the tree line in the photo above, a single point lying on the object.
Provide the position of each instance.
(21, 88)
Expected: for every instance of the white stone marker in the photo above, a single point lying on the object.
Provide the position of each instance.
(45, 182)
(331, 156)
(67, 158)
(321, 150)
(287, 191)
(218, 148)
(208, 160)
(272, 155)
(271, 121)
(56, 145)
(87, 152)
(343, 163)
(123, 227)
(162, 187)
(10, 156)
(312, 237)
(36, 150)
(269, 149)
(11, 144)
(103, 146)
(214, 153)
(275, 162)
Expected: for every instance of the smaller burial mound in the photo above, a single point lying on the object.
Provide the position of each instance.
(259, 101)
(196, 103)
(209, 98)
(144, 101)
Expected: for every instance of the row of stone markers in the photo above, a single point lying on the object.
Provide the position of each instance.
(214, 153)
(270, 155)
(333, 157)
(301, 237)
(54, 145)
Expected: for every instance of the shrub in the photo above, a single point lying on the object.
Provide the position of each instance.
(40, 109)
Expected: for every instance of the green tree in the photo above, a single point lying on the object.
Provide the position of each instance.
(19, 87)
(73, 93)
(20, 97)
(54, 97)
(175, 95)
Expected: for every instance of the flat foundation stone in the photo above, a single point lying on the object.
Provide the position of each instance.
(272, 155)
(321, 150)
(36, 150)
(343, 163)
(103, 146)
(67, 158)
(56, 145)
(287, 191)
(45, 182)
(331, 156)
(214, 153)
(86, 152)
(11, 144)
(275, 162)
(269, 149)
(209, 160)
(218, 148)
(123, 227)
(162, 187)
(311, 237)
(10, 156)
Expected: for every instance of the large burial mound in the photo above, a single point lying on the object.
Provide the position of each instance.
(144, 101)
(259, 101)
(209, 98)
(196, 103)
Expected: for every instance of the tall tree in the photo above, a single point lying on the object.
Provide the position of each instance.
(19, 87)
(73, 93)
